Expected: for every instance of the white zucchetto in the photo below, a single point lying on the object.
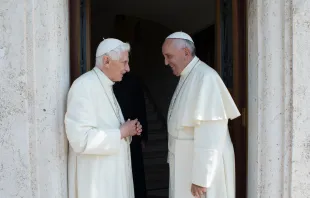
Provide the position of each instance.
(180, 35)
(108, 45)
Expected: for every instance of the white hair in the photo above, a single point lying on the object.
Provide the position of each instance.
(183, 43)
(114, 54)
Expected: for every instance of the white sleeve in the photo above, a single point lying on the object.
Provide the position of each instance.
(80, 121)
(209, 140)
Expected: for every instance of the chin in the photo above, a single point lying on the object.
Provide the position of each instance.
(120, 79)
(176, 73)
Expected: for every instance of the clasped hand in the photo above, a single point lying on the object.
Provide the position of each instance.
(131, 128)
(198, 191)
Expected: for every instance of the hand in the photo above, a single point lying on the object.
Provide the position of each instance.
(129, 128)
(198, 191)
(138, 128)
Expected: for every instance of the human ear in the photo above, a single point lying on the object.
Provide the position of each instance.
(187, 51)
(106, 61)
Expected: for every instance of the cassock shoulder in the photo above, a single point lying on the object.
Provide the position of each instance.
(214, 96)
(208, 98)
(83, 84)
(204, 71)
(85, 79)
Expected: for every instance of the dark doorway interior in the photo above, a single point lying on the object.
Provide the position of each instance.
(220, 41)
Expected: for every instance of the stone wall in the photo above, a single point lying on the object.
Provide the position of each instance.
(278, 74)
(34, 73)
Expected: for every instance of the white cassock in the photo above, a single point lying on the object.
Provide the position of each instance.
(200, 148)
(99, 160)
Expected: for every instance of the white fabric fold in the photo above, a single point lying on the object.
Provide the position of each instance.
(83, 134)
(213, 100)
(209, 141)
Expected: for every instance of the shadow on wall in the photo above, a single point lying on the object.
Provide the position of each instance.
(146, 61)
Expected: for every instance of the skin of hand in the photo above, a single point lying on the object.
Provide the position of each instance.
(130, 128)
(198, 191)
(138, 128)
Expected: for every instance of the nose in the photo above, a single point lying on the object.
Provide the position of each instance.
(166, 62)
(127, 68)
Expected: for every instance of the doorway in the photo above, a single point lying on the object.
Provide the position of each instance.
(218, 28)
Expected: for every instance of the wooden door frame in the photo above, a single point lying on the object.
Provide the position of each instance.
(240, 86)
(75, 37)
(239, 64)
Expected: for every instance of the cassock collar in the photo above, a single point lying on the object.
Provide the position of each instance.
(189, 67)
(103, 77)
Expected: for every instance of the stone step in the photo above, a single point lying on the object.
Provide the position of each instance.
(147, 101)
(162, 142)
(155, 125)
(152, 116)
(158, 131)
(155, 161)
(155, 154)
(162, 146)
(157, 178)
(157, 136)
(149, 108)
(160, 193)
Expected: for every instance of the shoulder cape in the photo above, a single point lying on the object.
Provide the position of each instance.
(207, 99)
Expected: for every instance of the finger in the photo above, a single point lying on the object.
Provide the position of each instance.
(139, 127)
(192, 191)
(197, 192)
(201, 192)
